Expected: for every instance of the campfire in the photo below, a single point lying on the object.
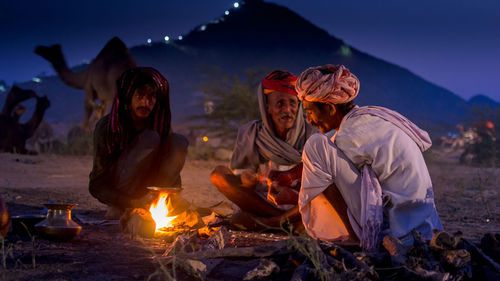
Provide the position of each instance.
(160, 212)
(168, 215)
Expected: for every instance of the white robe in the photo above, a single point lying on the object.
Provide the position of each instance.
(396, 161)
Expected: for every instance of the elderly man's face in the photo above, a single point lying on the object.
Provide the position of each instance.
(282, 108)
(143, 103)
(325, 118)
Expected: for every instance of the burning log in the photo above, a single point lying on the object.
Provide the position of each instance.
(138, 222)
(219, 240)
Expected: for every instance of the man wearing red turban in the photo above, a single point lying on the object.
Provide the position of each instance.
(273, 143)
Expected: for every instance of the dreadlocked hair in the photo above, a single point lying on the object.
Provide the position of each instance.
(118, 127)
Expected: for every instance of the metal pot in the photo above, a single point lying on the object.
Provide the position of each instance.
(175, 203)
(58, 225)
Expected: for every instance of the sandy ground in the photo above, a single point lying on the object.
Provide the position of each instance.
(467, 198)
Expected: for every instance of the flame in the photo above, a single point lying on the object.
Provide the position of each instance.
(159, 212)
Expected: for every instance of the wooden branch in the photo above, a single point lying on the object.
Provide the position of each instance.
(486, 259)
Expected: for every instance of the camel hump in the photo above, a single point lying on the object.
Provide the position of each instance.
(51, 53)
(114, 47)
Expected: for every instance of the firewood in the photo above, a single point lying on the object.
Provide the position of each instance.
(138, 222)
(419, 273)
(265, 269)
(377, 259)
(480, 255)
(351, 261)
(219, 240)
(457, 258)
(277, 248)
(421, 247)
(443, 240)
(303, 272)
(184, 242)
(396, 249)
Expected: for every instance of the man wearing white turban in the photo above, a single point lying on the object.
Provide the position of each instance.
(370, 177)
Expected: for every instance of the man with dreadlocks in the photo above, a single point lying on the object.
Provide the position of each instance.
(263, 147)
(134, 145)
(370, 177)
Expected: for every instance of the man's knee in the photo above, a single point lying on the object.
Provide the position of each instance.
(178, 141)
(220, 177)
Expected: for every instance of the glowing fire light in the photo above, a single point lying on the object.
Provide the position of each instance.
(205, 139)
(159, 212)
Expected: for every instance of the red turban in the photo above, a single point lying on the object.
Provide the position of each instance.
(280, 81)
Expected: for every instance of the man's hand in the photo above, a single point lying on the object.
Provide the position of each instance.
(249, 178)
(280, 195)
(144, 201)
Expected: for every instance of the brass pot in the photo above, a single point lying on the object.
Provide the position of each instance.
(58, 225)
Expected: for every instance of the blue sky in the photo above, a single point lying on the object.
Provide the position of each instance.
(452, 43)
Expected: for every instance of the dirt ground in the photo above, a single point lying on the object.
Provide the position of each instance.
(467, 198)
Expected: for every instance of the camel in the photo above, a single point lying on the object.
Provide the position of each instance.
(13, 135)
(98, 80)
(43, 138)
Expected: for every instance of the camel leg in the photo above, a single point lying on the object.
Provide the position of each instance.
(88, 109)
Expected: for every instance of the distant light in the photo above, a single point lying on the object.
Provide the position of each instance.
(205, 139)
(36, 80)
(203, 27)
(166, 38)
(226, 13)
(2, 88)
(149, 41)
(180, 37)
(345, 51)
(236, 4)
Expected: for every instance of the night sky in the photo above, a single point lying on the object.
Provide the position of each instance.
(452, 43)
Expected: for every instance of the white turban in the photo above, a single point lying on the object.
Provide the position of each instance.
(332, 84)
